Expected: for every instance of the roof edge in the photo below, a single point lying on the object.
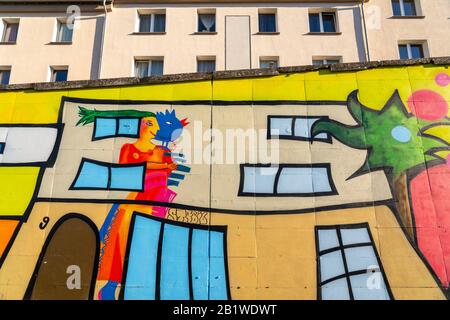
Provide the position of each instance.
(219, 75)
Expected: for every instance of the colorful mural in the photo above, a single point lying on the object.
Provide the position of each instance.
(166, 191)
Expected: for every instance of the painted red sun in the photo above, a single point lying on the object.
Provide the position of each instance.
(428, 105)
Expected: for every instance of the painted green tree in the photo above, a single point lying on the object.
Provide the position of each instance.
(395, 139)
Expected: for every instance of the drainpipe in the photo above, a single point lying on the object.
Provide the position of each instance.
(364, 27)
(103, 38)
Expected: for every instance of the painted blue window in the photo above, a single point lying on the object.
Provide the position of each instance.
(116, 127)
(175, 261)
(107, 176)
(105, 127)
(142, 260)
(286, 180)
(92, 176)
(174, 283)
(129, 126)
(127, 178)
(295, 128)
(349, 267)
(2, 147)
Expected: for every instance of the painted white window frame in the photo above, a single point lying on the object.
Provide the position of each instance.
(273, 11)
(402, 9)
(151, 13)
(6, 68)
(56, 33)
(408, 48)
(320, 13)
(325, 59)
(211, 11)
(271, 58)
(146, 59)
(53, 69)
(4, 23)
(205, 58)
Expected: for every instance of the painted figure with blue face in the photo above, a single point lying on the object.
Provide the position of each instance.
(170, 127)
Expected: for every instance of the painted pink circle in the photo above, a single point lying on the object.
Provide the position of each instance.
(442, 79)
(428, 105)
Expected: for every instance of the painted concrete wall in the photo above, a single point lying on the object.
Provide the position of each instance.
(102, 196)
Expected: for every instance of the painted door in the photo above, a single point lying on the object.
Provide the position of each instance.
(67, 266)
(237, 43)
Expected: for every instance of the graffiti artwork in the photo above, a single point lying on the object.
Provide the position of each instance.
(308, 185)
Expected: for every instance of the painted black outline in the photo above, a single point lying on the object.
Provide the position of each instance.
(190, 227)
(173, 205)
(50, 162)
(328, 139)
(280, 167)
(55, 227)
(347, 275)
(109, 166)
(116, 134)
(207, 103)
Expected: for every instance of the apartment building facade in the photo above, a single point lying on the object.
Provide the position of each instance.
(89, 39)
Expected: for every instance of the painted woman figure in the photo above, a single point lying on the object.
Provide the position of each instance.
(159, 165)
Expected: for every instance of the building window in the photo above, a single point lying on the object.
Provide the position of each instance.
(322, 61)
(411, 51)
(404, 8)
(152, 22)
(206, 64)
(59, 74)
(294, 128)
(206, 22)
(267, 22)
(322, 22)
(96, 175)
(116, 127)
(286, 180)
(64, 31)
(348, 264)
(175, 261)
(268, 62)
(148, 67)
(10, 31)
(5, 74)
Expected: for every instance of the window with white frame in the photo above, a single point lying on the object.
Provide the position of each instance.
(348, 264)
(286, 180)
(206, 64)
(267, 20)
(59, 73)
(404, 8)
(5, 74)
(295, 128)
(10, 30)
(322, 22)
(268, 62)
(64, 31)
(206, 21)
(148, 67)
(411, 50)
(322, 61)
(152, 21)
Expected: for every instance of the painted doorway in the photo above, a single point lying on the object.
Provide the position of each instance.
(67, 265)
(237, 43)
